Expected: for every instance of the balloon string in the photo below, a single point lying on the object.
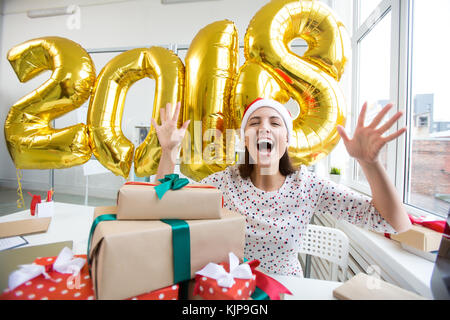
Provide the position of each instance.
(20, 201)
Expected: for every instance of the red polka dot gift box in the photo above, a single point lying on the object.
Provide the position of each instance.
(234, 281)
(225, 281)
(53, 285)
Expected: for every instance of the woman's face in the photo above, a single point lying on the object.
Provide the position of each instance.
(266, 137)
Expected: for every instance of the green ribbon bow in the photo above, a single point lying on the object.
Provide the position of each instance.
(170, 182)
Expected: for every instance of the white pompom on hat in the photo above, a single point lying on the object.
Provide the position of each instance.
(261, 103)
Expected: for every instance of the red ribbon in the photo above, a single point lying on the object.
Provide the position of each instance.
(269, 285)
(436, 225)
(35, 199)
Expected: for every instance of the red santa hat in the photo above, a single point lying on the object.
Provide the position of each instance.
(261, 103)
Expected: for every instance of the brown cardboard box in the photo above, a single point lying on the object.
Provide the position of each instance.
(420, 238)
(140, 202)
(133, 257)
(25, 226)
(365, 287)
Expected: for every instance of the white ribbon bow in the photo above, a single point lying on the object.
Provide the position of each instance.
(226, 279)
(64, 263)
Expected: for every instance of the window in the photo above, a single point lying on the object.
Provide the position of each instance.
(398, 58)
(366, 9)
(428, 174)
(374, 76)
(372, 68)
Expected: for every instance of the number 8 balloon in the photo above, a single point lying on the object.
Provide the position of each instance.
(272, 70)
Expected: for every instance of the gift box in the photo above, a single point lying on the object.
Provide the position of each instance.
(234, 281)
(420, 238)
(140, 201)
(61, 286)
(129, 258)
(42, 208)
(365, 287)
(225, 281)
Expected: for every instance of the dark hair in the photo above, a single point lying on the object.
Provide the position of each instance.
(285, 166)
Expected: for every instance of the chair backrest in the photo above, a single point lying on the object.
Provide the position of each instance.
(327, 243)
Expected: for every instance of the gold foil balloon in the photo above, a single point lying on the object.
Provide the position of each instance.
(211, 67)
(168, 71)
(214, 99)
(109, 144)
(254, 81)
(31, 141)
(311, 79)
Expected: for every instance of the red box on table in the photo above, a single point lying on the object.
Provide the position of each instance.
(70, 287)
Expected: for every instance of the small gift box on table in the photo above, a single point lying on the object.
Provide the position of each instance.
(225, 281)
(423, 236)
(234, 281)
(172, 199)
(42, 208)
(65, 277)
(129, 258)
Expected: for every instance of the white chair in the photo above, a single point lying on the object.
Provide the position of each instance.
(327, 243)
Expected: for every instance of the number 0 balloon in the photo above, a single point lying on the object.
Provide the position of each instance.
(109, 144)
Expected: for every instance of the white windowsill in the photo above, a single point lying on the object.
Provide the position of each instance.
(411, 271)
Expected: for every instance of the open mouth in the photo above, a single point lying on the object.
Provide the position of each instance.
(265, 145)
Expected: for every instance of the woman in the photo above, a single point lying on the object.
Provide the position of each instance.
(279, 201)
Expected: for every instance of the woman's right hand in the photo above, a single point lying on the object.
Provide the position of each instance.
(169, 135)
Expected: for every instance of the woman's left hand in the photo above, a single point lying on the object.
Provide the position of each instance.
(368, 141)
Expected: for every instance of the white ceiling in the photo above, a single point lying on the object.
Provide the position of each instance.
(22, 6)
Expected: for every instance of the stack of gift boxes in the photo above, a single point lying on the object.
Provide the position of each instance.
(165, 241)
(161, 235)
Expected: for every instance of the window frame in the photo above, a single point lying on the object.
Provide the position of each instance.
(361, 29)
(399, 152)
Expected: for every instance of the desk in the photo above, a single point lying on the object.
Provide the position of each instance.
(72, 222)
(307, 289)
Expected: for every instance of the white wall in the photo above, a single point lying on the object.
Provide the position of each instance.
(107, 24)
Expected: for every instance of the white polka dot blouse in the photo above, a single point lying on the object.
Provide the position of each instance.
(277, 220)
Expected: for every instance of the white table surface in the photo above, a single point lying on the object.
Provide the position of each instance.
(307, 289)
(72, 222)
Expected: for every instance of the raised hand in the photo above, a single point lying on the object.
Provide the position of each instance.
(169, 135)
(368, 141)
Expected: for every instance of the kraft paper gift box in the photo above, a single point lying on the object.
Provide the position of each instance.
(129, 258)
(139, 201)
(68, 287)
(365, 287)
(420, 238)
